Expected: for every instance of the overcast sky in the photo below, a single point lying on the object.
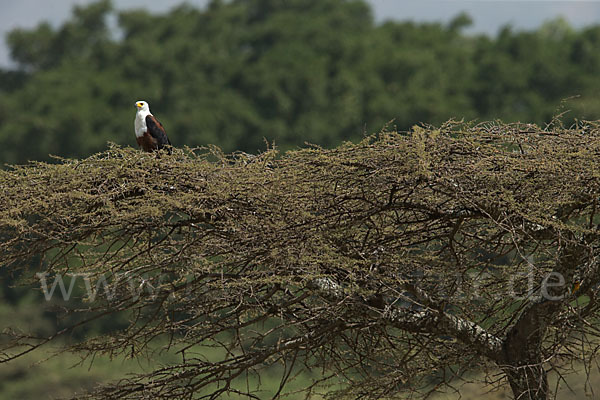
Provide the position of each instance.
(488, 15)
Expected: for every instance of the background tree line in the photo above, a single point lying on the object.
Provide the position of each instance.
(242, 71)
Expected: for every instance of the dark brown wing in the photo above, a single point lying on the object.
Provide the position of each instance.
(156, 130)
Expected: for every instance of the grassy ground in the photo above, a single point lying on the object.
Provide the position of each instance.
(573, 389)
(63, 376)
(60, 377)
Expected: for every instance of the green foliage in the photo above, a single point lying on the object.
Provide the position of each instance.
(242, 71)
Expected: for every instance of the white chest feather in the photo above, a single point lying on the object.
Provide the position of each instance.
(140, 123)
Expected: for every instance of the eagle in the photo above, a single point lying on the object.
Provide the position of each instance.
(149, 132)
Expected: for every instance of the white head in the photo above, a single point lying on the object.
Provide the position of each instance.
(139, 122)
(142, 106)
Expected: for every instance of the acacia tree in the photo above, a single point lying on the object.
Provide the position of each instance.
(381, 263)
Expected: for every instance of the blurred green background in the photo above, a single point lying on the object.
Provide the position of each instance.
(244, 72)
(237, 73)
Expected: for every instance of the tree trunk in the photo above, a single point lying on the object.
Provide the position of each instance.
(522, 359)
(528, 382)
